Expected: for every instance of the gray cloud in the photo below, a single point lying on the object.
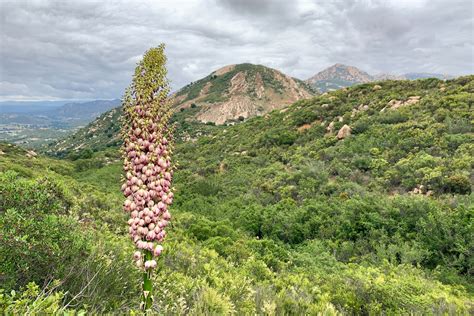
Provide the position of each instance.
(88, 49)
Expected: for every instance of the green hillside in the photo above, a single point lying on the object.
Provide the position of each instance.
(104, 134)
(290, 213)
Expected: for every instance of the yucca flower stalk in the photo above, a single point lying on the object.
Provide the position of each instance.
(147, 166)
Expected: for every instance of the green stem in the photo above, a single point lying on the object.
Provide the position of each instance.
(147, 297)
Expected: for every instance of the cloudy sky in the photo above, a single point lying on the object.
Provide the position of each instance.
(81, 49)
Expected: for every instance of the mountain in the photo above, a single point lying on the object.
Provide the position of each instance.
(237, 92)
(84, 111)
(50, 113)
(349, 198)
(29, 106)
(338, 76)
(384, 76)
(424, 75)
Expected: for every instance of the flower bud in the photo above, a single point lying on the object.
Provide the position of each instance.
(167, 215)
(150, 264)
(158, 250)
(151, 235)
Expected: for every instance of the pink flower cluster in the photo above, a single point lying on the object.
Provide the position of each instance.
(147, 186)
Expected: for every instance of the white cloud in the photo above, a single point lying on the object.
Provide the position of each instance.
(88, 49)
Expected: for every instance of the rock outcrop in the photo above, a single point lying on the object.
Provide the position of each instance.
(395, 104)
(330, 127)
(344, 132)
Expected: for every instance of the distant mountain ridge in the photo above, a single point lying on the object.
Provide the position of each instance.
(11, 107)
(84, 110)
(425, 75)
(68, 115)
(34, 124)
(339, 76)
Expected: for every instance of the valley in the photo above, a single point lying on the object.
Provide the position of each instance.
(36, 124)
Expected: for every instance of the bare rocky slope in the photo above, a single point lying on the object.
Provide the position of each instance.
(237, 92)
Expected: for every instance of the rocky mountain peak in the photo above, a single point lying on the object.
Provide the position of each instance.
(342, 73)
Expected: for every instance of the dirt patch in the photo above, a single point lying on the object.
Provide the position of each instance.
(224, 70)
(205, 89)
(222, 167)
(304, 127)
(237, 105)
(259, 88)
(294, 92)
(175, 100)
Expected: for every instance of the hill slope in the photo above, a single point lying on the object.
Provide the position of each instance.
(240, 91)
(286, 214)
(407, 117)
(104, 132)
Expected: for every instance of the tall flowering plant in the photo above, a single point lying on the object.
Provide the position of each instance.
(147, 166)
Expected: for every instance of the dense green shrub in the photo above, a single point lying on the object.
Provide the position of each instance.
(32, 300)
(393, 117)
(38, 239)
(278, 138)
(304, 117)
(41, 240)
